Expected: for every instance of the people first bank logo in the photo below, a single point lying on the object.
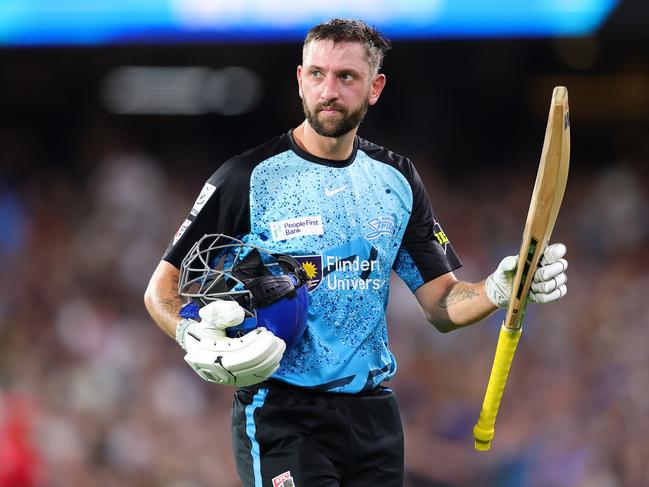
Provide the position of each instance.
(296, 227)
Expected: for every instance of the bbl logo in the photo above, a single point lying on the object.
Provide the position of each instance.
(312, 264)
(440, 236)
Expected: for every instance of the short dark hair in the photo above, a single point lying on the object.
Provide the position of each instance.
(344, 30)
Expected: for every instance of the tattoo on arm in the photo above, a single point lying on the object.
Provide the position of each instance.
(458, 293)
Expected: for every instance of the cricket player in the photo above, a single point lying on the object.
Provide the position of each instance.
(316, 414)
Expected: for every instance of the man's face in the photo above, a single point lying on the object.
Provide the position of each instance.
(336, 86)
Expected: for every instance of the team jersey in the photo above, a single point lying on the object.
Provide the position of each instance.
(349, 224)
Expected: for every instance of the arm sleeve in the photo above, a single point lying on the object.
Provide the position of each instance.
(222, 206)
(425, 252)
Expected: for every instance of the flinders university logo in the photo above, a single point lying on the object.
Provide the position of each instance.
(312, 264)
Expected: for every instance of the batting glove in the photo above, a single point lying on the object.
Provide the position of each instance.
(235, 362)
(549, 283)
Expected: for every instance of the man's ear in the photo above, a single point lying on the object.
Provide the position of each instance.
(378, 83)
(299, 81)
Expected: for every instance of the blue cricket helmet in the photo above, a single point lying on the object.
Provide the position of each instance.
(271, 288)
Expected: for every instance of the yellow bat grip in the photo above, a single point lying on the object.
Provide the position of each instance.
(483, 432)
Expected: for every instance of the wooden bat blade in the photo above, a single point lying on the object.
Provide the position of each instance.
(547, 196)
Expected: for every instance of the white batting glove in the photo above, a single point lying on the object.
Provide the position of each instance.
(236, 362)
(549, 283)
(550, 279)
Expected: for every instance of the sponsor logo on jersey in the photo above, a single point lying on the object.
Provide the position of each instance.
(383, 225)
(284, 480)
(331, 192)
(181, 230)
(440, 236)
(296, 227)
(352, 273)
(312, 264)
(205, 195)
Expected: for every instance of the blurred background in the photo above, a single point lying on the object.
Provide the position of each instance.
(112, 115)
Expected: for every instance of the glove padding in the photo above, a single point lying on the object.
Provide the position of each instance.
(549, 283)
(236, 362)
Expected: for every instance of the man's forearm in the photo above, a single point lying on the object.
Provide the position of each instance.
(162, 299)
(463, 304)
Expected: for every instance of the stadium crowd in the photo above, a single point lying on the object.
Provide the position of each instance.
(92, 394)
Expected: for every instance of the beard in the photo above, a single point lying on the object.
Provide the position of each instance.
(334, 127)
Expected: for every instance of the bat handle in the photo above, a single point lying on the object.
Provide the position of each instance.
(483, 432)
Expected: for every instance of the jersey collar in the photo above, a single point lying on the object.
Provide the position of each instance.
(319, 160)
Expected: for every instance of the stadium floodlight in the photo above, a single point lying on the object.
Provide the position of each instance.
(102, 22)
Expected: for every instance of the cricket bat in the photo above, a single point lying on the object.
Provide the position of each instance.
(547, 195)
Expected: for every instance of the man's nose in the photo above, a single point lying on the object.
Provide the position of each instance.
(329, 89)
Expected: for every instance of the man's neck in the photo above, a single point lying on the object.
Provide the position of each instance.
(333, 148)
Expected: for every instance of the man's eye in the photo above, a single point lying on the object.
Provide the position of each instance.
(316, 74)
(346, 77)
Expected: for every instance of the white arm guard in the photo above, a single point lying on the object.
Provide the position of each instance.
(549, 282)
(236, 362)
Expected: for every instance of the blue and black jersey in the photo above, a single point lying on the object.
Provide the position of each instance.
(349, 223)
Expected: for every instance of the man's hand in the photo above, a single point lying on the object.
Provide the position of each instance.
(236, 362)
(549, 282)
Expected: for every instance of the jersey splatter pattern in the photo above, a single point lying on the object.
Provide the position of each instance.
(349, 224)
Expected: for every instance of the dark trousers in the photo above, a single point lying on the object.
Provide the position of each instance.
(286, 436)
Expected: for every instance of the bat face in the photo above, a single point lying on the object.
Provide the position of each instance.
(546, 200)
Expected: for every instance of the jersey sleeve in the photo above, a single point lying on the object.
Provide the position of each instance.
(222, 206)
(425, 252)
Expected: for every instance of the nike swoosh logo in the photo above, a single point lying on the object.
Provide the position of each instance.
(331, 192)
